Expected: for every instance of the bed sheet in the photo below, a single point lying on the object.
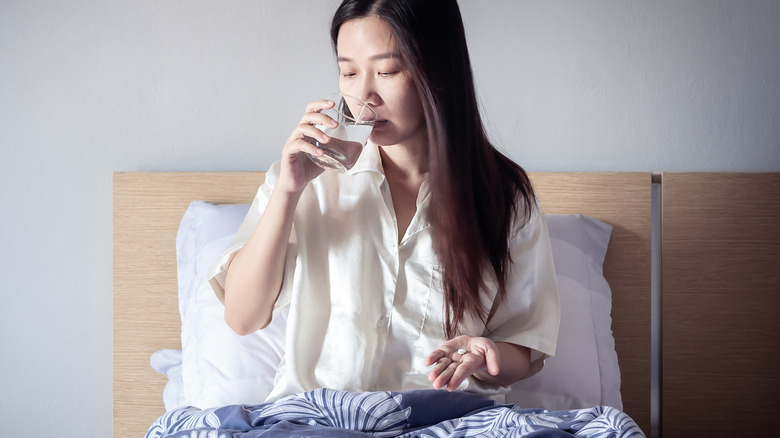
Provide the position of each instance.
(419, 413)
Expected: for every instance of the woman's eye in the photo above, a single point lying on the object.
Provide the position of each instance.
(387, 74)
(348, 75)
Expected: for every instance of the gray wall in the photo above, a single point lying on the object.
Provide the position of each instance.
(91, 87)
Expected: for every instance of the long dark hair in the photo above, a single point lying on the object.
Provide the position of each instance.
(475, 189)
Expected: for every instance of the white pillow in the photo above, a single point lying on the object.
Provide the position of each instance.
(168, 363)
(220, 367)
(584, 371)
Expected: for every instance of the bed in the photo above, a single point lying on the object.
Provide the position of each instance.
(148, 212)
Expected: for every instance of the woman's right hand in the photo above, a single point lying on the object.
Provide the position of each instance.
(297, 170)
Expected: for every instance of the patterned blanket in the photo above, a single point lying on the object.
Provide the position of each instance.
(423, 413)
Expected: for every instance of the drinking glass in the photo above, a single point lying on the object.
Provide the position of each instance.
(355, 121)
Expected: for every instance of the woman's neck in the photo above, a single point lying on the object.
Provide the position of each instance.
(405, 163)
(405, 170)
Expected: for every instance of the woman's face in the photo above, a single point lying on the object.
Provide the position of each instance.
(371, 69)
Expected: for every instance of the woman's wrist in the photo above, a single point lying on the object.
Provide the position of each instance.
(286, 196)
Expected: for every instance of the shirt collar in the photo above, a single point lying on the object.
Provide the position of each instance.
(369, 161)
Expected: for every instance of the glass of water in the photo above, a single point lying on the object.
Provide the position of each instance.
(355, 121)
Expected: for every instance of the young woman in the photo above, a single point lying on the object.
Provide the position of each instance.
(427, 264)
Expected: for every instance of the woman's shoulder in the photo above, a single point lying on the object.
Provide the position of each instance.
(527, 216)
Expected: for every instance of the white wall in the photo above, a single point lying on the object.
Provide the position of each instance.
(90, 87)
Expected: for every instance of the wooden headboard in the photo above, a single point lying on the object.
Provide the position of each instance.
(721, 297)
(148, 207)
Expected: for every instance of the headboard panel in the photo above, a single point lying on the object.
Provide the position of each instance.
(148, 207)
(622, 200)
(721, 295)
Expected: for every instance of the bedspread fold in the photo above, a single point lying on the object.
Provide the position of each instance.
(420, 413)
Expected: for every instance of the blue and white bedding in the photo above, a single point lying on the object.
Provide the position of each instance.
(421, 413)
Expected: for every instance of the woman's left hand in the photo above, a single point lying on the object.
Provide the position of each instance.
(459, 358)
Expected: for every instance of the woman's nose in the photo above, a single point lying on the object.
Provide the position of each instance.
(366, 91)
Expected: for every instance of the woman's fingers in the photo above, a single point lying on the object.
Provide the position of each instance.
(443, 377)
(492, 360)
(457, 359)
(306, 133)
(434, 357)
(451, 373)
(313, 116)
(305, 145)
(309, 132)
(319, 105)
(308, 126)
(469, 364)
(451, 366)
(312, 119)
(441, 359)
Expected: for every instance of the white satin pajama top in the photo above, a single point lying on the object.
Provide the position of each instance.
(363, 311)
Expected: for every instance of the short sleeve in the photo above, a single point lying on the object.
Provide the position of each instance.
(218, 271)
(530, 314)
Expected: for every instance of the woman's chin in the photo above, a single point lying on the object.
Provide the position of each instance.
(378, 140)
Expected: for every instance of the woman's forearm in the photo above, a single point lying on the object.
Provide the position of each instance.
(254, 277)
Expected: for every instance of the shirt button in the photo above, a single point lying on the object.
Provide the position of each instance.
(382, 322)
